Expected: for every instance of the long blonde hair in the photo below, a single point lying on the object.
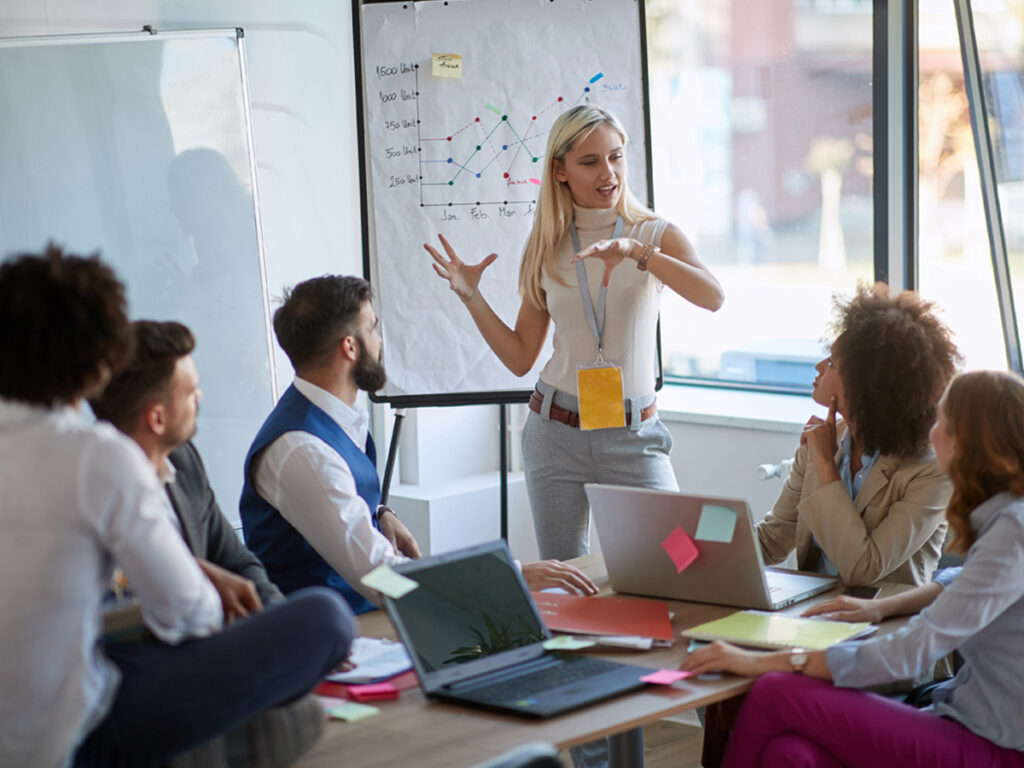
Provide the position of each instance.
(554, 203)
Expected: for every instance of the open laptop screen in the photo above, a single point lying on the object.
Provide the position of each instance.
(469, 605)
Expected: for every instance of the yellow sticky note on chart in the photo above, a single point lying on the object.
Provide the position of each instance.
(446, 65)
(600, 397)
(389, 582)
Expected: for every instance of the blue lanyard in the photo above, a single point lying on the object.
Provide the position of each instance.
(595, 320)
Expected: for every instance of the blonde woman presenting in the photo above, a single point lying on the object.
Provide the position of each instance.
(594, 264)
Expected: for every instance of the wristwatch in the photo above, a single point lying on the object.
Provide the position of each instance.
(798, 659)
(381, 509)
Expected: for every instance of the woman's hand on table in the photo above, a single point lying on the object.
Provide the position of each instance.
(723, 657)
(846, 608)
(546, 574)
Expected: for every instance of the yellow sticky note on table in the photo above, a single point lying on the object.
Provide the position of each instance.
(600, 394)
(351, 712)
(446, 65)
(389, 582)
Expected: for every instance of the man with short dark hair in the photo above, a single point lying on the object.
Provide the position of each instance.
(310, 503)
(155, 401)
(80, 498)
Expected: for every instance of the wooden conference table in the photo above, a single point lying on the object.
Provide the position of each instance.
(412, 732)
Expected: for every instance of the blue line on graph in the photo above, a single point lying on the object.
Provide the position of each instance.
(596, 77)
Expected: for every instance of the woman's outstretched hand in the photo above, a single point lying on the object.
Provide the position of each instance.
(611, 252)
(462, 278)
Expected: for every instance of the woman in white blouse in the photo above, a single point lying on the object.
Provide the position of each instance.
(587, 223)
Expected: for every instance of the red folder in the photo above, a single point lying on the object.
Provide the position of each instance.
(604, 615)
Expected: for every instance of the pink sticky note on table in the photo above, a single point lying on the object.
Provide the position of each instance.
(666, 676)
(680, 548)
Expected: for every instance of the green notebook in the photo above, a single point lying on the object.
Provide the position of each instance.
(760, 629)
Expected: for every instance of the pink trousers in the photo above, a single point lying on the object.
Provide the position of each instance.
(793, 721)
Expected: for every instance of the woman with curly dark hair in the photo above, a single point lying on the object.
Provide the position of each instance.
(865, 499)
(816, 718)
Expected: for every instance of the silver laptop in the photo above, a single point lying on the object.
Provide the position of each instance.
(476, 638)
(643, 550)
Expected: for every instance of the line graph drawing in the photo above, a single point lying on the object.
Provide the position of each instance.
(492, 158)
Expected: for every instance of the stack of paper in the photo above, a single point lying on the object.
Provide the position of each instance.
(616, 621)
(372, 661)
(760, 629)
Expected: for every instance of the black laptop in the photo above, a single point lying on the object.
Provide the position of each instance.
(476, 638)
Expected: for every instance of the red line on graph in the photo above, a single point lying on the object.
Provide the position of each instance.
(475, 121)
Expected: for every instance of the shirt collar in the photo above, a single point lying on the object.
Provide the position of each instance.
(590, 219)
(846, 443)
(167, 472)
(853, 482)
(354, 420)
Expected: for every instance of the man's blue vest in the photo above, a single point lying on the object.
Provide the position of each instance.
(290, 560)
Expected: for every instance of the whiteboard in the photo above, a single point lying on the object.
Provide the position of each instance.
(463, 156)
(139, 146)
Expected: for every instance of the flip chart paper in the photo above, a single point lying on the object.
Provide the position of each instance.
(716, 523)
(388, 582)
(680, 548)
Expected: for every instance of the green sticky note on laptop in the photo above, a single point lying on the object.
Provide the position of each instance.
(389, 582)
(716, 523)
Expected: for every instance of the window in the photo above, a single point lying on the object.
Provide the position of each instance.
(761, 119)
(955, 260)
(763, 146)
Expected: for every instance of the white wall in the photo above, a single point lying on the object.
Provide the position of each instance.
(302, 88)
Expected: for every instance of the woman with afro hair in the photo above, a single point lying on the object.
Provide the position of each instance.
(865, 499)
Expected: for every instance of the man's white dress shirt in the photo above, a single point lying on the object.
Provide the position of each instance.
(312, 487)
(76, 499)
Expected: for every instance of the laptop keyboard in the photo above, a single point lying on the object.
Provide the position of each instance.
(544, 679)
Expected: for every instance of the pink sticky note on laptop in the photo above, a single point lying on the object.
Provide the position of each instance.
(680, 548)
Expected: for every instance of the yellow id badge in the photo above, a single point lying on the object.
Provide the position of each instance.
(599, 390)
